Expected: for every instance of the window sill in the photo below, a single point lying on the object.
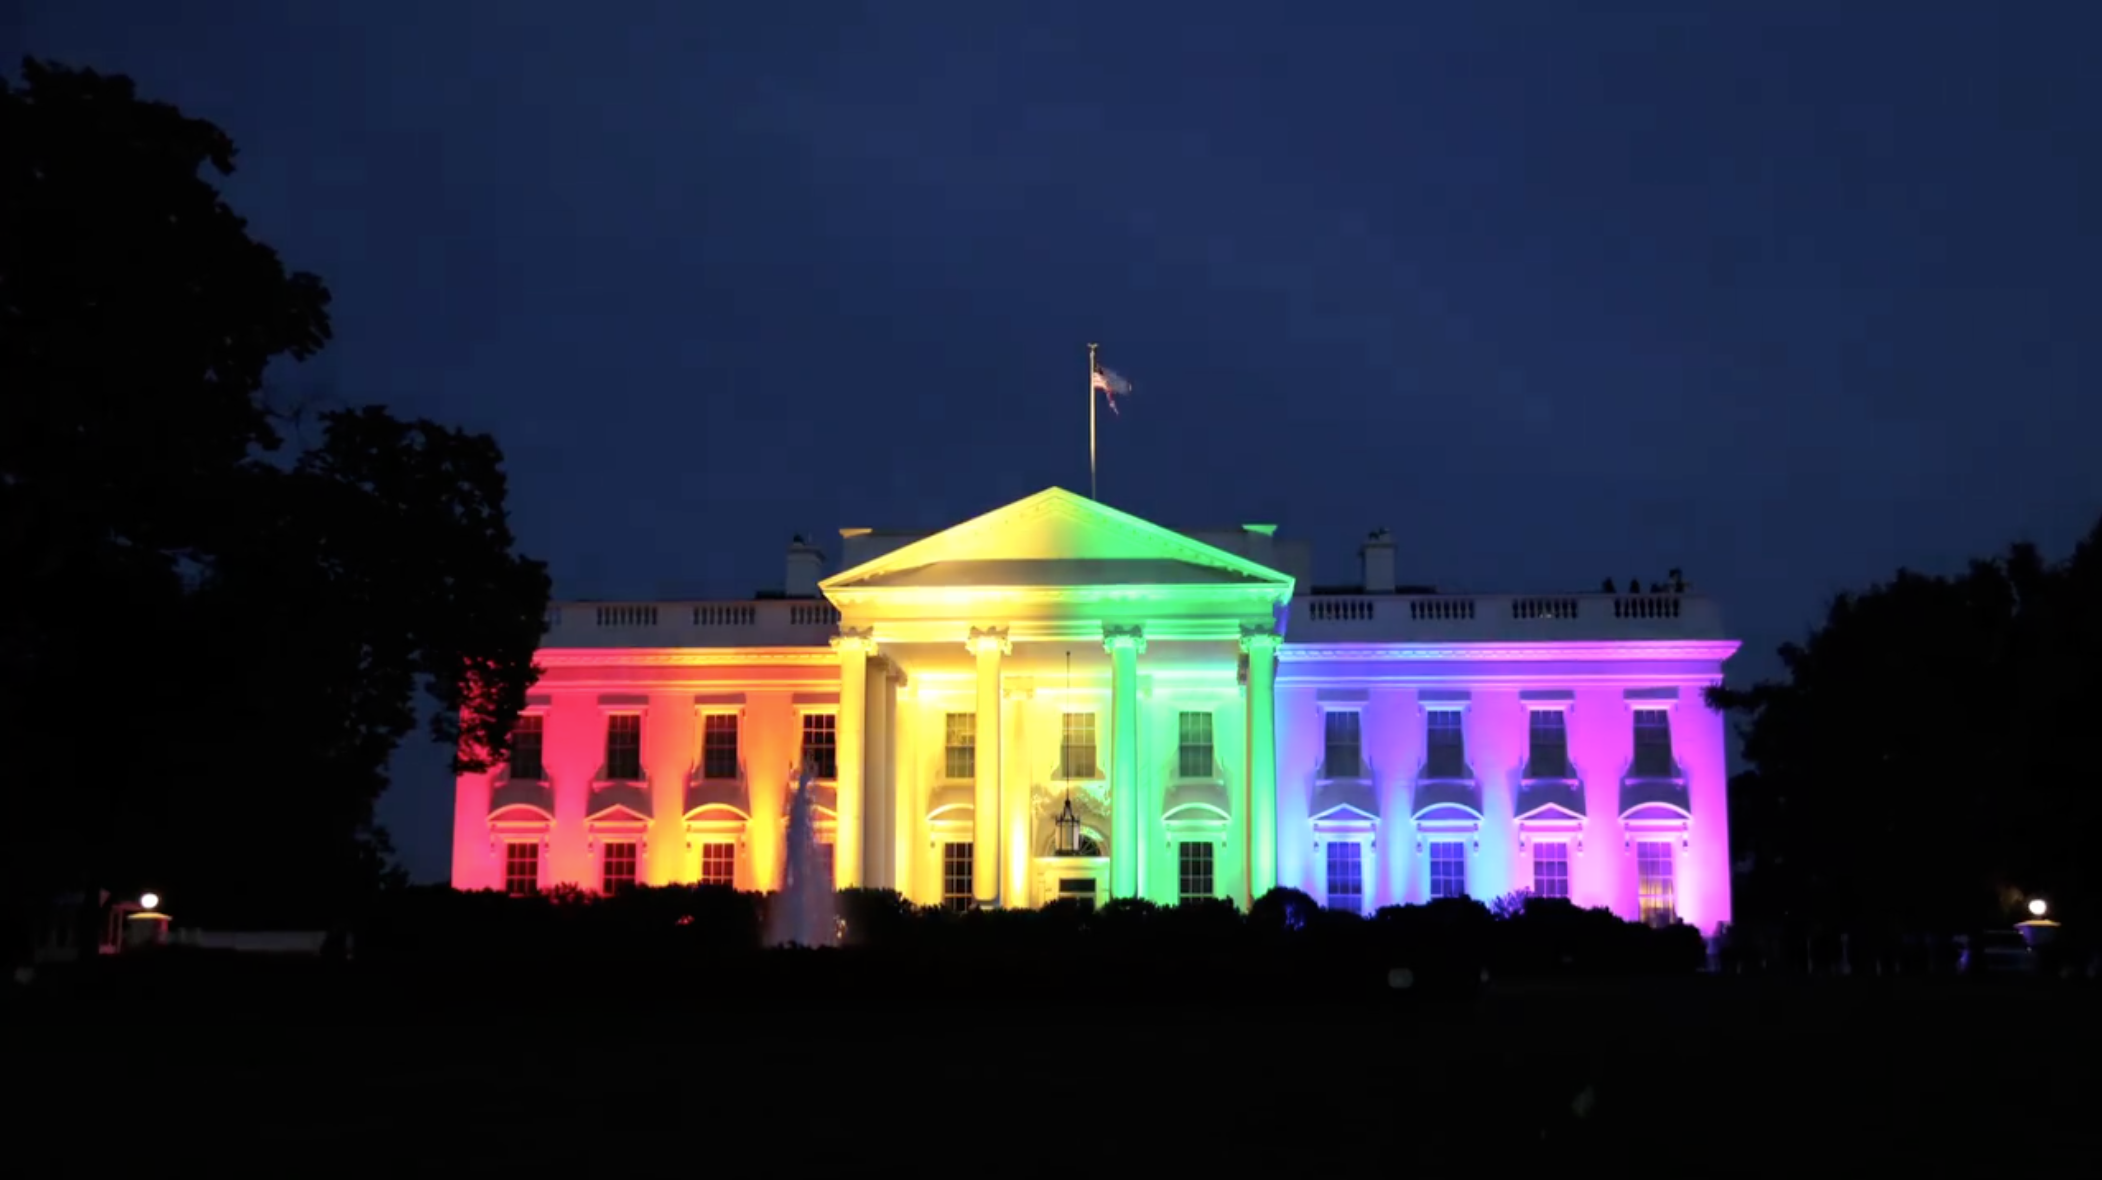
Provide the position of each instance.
(521, 780)
(600, 784)
(1345, 779)
(1198, 780)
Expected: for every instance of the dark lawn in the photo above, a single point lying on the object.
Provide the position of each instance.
(1722, 1075)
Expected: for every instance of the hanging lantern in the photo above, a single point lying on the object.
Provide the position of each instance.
(1068, 826)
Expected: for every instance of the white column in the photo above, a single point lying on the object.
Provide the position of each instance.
(1015, 795)
(988, 644)
(1127, 824)
(854, 646)
(1260, 857)
(904, 823)
(876, 805)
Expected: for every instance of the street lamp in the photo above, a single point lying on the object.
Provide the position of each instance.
(149, 901)
(2037, 908)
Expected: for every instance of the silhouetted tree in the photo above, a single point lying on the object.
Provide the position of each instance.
(1928, 754)
(209, 647)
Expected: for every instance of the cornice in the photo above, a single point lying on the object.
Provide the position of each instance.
(685, 657)
(1036, 595)
(1698, 650)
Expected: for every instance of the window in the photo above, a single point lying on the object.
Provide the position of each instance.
(719, 864)
(960, 746)
(1346, 875)
(617, 867)
(827, 861)
(1551, 869)
(1445, 745)
(1193, 744)
(522, 869)
(1549, 753)
(957, 863)
(624, 747)
(1654, 887)
(1653, 745)
(1076, 747)
(527, 745)
(821, 745)
(719, 746)
(1344, 755)
(1078, 889)
(1194, 863)
(1448, 869)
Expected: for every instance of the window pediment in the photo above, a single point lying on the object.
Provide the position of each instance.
(1195, 800)
(1345, 802)
(1552, 814)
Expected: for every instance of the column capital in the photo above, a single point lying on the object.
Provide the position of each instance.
(1118, 637)
(1257, 637)
(988, 641)
(853, 639)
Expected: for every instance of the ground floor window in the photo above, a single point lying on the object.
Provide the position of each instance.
(828, 862)
(522, 868)
(958, 862)
(1078, 889)
(1448, 868)
(1346, 875)
(1194, 864)
(1656, 892)
(617, 867)
(719, 863)
(1551, 869)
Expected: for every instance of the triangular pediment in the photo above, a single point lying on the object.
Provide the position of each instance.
(1057, 538)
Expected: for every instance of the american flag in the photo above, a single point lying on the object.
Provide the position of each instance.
(1110, 386)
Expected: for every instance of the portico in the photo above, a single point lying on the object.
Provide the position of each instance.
(1057, 651)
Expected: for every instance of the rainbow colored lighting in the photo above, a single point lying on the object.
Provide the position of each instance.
(958, 689)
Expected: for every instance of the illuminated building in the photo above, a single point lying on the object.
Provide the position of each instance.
(1213, 733)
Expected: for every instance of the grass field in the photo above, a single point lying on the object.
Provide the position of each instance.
(1723, 1076)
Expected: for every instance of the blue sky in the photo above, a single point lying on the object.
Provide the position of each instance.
(1785, 294)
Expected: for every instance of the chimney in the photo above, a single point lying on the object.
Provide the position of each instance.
(806, 566)
(1377, 557)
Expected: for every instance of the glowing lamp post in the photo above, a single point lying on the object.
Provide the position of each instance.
(2038, 930)
(146, 925)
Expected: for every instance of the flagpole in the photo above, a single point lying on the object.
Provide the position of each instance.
(1091, 421)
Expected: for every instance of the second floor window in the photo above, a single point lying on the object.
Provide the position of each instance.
(960, 746)
(1193, 745)
(1445, 745)
(1548, 755)
(821, 744)
(719, 746)
(624, 747)
(1344, 749)
(527, 746)
(1653, 745)
(1076, 748)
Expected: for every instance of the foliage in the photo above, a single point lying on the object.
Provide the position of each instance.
(1926, 760)
(217, 643)
(1452, 939)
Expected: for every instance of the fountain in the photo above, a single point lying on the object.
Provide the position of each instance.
(803, 911)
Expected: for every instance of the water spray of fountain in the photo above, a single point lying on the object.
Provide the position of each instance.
(803, 914)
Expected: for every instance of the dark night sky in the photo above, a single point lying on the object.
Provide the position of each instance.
(1783, 294)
